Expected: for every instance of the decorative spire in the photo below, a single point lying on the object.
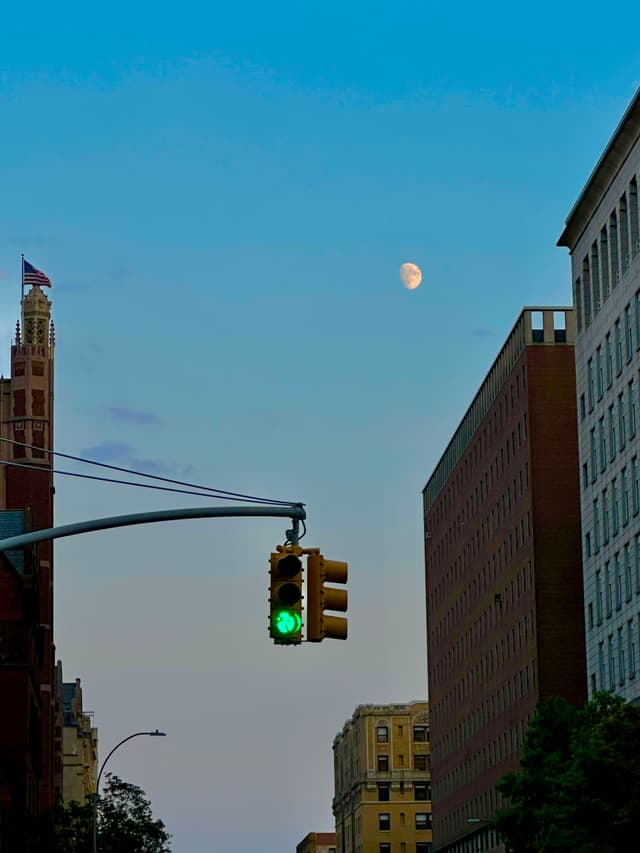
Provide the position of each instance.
(52, 334)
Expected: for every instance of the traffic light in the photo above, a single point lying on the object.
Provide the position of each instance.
(285, 600)
(320, 598)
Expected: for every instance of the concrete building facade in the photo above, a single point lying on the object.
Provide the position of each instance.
(80, 747)
(602, 233)
(30, 728)
(503, 574)
(382, 799)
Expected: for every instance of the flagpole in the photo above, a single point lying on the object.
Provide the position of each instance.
(21, 279)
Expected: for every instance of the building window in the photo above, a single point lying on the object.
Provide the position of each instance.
(618, 577)
(423, 847)
(618, 335)
(601, 670)
(628, 333)
(383, 793)
(585, 476)
(600, 372)
(421, 791)
(583, 408)
(596, 526)
(384, 820)
(599, 597)
(608, 588)
(602, 440)
(622, 668)
(612, 434)
(382, 734)
(612, 663)
(635, 485)
(633, 412)
(625, 496)
(383, 763)
(628, 572)
(423, 820)
(631, 649)
(594, 455)
(385, 847)
(419, 734)
(615, 505)
(609, 358)
(419, 762)
(622, 422)
(605, 516)
(637, 561)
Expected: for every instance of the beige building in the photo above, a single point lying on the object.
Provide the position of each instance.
(80, 747)
(317, 842)
(382, 800)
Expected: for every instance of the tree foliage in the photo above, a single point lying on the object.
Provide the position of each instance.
(578, 787)
(125, 824)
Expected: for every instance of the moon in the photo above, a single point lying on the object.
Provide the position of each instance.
(410, 276)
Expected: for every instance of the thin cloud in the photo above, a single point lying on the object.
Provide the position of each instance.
(123, 454)
(483, 333)
(125, 415)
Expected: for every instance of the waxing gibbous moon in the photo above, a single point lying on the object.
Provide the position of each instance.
(410, 276)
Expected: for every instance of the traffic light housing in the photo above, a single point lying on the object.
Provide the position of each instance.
(321, 571)
(285, 598)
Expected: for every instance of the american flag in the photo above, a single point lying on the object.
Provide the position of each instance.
(30, 275)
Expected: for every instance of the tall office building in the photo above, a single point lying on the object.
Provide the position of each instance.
(382, 800)
(503, 574)
(603, 235)
(30, 730)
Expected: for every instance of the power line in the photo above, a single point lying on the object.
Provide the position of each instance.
(118, 482)
(222, 493)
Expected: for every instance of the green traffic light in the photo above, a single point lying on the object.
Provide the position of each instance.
(286, 622)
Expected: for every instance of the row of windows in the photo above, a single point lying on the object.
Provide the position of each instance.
(614, 428)
(486, 712)
(420, 762)
(423, 820)
(484, 486)
(617, 657)
(609, 257)
(477, 414)
(420, 847)
(488, 579)
(420, 734)
(463, 652)
(613, 507)
(421, 791)
(615, 583)
(600, 373)
(476, 764)
(456, 823)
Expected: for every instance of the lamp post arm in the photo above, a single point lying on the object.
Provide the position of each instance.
(117, 746)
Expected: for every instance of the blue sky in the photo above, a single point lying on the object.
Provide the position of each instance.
(222, 197)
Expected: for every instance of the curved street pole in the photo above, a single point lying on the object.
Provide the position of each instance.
(96, 795)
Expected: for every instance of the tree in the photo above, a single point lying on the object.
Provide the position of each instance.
(578, 787)
(125, 824)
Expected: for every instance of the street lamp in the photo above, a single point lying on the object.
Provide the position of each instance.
(96, 795)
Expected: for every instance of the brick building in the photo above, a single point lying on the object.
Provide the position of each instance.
(30, 723)
(503, 573)
(603, 235)
(382, 797)
(317, 842)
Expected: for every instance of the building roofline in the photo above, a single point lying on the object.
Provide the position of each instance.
(624, 137)
(518, 339)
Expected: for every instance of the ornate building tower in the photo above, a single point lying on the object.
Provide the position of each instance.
(30, 755)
